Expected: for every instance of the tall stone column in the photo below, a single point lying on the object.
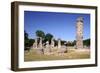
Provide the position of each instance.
(40, 47)
(47, 49)
(79, 33)
(47, 45)
(59, 43)
(52, 43)
(35, 44)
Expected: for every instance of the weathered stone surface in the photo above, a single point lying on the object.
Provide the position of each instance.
(52, 43)
(79, 33)
(59, 43)
(35, 44)
(40, 49)
(47, 48)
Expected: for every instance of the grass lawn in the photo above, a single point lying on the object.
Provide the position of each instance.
(71, 54)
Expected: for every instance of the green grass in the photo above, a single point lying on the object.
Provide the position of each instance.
(71, 54)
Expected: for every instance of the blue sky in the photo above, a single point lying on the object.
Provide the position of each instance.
(60, 25)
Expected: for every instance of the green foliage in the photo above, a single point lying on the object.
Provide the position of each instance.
(31, 41)
(25, 35)
(27, 42)
(48, 37)
(63, 42)
(56, 42)
(40, 33)
(86, 42)
(72, 43)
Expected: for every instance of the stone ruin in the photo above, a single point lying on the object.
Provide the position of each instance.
(79, 33)
(35, 43)
(47, 49)
(52, 43)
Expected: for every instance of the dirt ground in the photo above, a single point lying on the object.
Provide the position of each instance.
(71, 54)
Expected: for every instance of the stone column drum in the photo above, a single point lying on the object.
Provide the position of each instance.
(79, 33)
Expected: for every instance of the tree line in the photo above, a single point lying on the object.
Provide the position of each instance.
(47, 37)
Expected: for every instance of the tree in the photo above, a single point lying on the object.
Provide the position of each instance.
(71, 43)
(25, 35)
(26, 41)
(48, 37)
(86, 42)
(40, 33)
(56, 42)
(63, 42)
(31, 41)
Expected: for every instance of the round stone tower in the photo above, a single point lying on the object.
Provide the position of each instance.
(79, 33)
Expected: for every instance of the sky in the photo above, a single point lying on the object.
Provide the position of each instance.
(60, 25)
